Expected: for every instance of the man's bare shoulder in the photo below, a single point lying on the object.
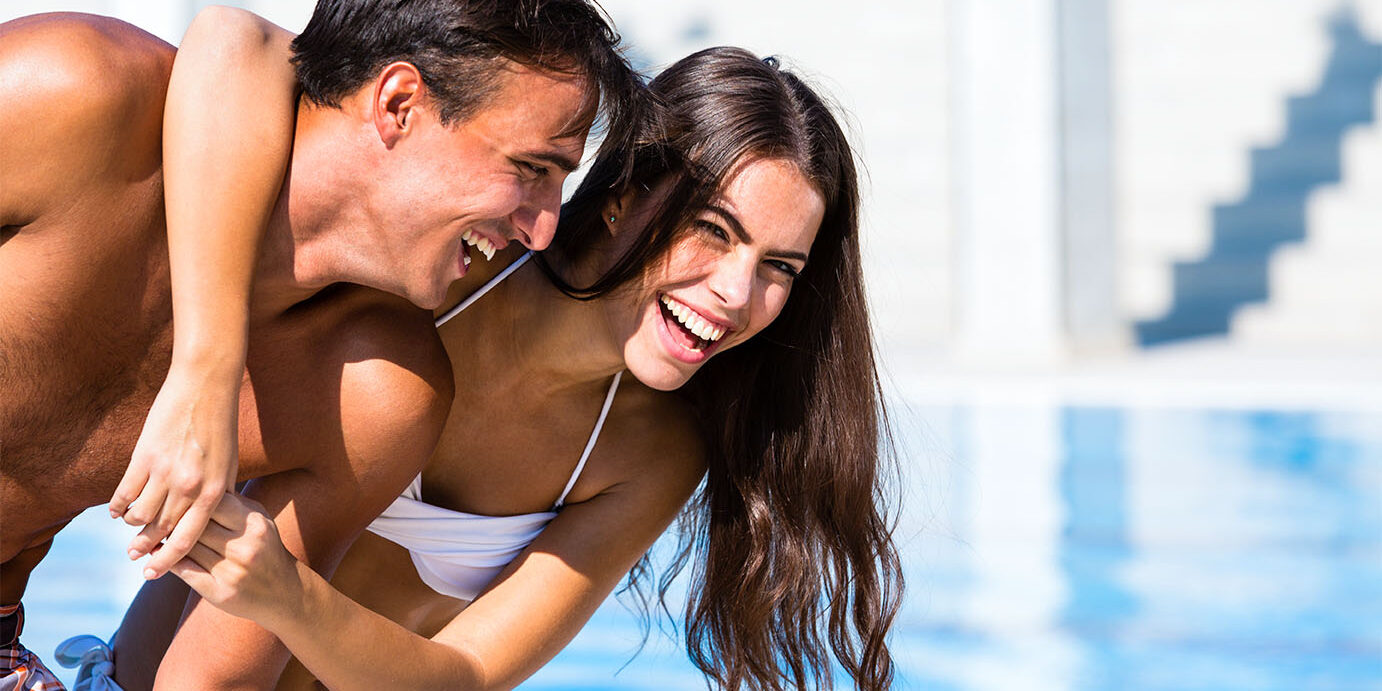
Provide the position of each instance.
(83, 61)
(395, 371)
(82, 94)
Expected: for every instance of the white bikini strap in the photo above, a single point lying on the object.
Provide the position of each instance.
(589, 445)
(485, 288)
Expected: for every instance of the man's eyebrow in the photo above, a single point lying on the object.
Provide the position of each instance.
(558, 160)
(738, 228)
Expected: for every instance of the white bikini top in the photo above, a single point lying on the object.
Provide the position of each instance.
(457, 553)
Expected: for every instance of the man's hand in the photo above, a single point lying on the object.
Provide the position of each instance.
(185, 460)
(239, 563)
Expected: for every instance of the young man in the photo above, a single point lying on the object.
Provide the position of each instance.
(421, 122)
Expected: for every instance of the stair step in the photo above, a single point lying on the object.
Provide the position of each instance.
(1306, 278)
(1252, 227)
(1309, 160)
(1278, 325)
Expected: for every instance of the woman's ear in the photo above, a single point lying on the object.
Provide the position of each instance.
(616, 208)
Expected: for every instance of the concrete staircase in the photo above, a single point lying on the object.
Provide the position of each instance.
(1328, 291)
(1283, 177)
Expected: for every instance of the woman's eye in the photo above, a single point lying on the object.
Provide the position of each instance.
(784, 267)
(713, 229)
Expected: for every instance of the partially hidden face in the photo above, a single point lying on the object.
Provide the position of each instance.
(491, 178)
(723, 280)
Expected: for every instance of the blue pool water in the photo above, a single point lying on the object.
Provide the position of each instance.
(1046, 547)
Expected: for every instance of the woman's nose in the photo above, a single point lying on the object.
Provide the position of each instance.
(732, 281)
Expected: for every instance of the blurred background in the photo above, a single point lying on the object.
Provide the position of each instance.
(1125, 262)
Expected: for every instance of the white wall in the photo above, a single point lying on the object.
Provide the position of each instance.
(166, 19)
(885, 62)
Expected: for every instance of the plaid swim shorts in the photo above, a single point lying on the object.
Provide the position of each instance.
(20, 669)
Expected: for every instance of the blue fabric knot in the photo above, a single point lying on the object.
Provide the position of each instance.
(93, 659)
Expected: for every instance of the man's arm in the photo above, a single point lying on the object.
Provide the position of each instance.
(394, 395)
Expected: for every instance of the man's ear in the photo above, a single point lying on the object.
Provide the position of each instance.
(398, 90)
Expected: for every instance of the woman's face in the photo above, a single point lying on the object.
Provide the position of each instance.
(723, 280)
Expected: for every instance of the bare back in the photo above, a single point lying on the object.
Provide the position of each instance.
(85, 324)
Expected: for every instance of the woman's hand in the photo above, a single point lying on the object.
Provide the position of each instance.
(185, 460)
(240, 565)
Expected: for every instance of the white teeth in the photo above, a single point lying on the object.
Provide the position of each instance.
(701, 328)
(480, 242)
(693, 322)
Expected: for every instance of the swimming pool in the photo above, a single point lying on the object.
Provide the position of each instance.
(1046, 547)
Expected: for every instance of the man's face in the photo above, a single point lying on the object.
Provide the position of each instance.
(461, 192)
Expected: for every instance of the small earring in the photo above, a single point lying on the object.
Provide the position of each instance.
(611, 219)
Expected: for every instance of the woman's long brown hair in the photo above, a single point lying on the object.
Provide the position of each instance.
(790, 535)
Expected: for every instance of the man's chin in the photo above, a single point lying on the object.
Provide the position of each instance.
(431, 305)
(430, 300)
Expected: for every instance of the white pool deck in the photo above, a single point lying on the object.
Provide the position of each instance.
(1208, 373)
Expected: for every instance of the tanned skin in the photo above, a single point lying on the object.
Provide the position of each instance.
(345, 390)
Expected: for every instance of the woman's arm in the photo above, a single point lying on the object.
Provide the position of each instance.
(227, 135)
(241, 566)
(521, 621)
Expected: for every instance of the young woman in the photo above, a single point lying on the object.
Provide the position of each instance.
(728, 252)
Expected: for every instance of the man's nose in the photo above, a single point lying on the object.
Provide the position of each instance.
(535, 222)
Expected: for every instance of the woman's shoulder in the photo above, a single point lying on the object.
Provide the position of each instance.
(652, 437)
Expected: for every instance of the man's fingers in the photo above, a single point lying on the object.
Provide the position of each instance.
(143, 543)
(179, 541)
(233, 510)
(174, 506)
(194, 575)
(204, 556)
(201, 557)
(216, 536)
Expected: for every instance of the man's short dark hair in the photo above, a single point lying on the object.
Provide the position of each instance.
(461, 48)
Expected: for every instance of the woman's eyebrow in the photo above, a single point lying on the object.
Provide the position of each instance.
(733, 222)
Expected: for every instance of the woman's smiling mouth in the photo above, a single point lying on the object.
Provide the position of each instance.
(693, 334)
